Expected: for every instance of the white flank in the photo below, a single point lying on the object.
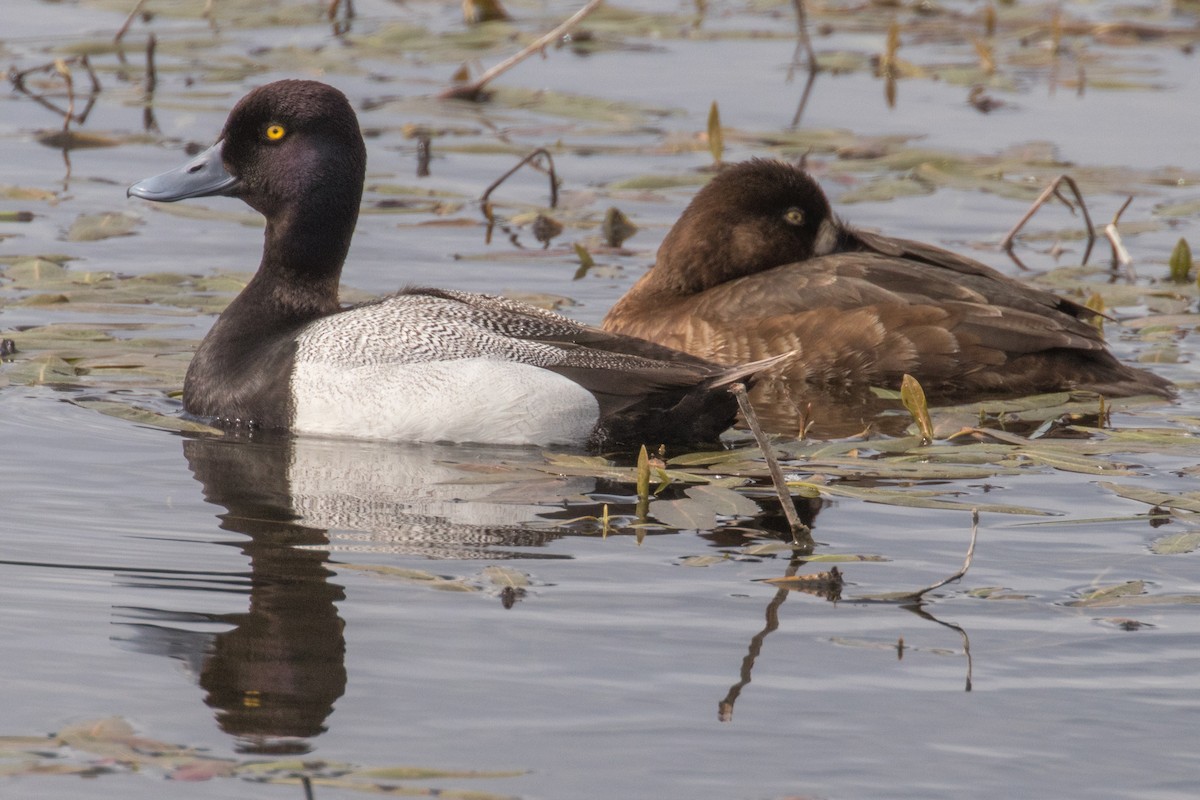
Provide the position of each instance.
(467, 400)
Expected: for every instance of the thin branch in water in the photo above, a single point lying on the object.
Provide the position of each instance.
(803, 42)
(1120, 256)
(341, 26)
(912, 597)
(541, 151)
(800, 532)
(1053, 190)
(137, 7)
(474, 90)
(808, 85)
(486, 207)
(148, 120)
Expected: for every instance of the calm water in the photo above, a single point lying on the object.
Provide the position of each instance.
(434, 606)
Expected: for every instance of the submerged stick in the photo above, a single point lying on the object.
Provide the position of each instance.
(800, 531)
(128, 21)
(1053, 190)
(803, 42)
(473, 90)
(1120, 256)
(486, 206)
(912, 597)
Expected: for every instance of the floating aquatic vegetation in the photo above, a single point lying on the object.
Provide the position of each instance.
(111, 746)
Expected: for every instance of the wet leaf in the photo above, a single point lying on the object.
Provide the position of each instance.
(1176, 543)
(702, 561)
(1185, 502)
(142, 416)
(94, 227)
(716, 142)
(502, 576)
(1180, 262)
(913, 397)
(917, 499)
(1106, 594)
(617, 227)
(477, 11)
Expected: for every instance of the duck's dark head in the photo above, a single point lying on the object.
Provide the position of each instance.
(284, 144)
(753, 216)
(293, 151)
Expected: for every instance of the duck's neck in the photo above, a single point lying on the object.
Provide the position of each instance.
(302, 262)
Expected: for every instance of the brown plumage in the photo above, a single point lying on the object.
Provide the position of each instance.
(759, 265)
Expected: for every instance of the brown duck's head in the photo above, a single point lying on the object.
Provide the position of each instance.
(751, 217)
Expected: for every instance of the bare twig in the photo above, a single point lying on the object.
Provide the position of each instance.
(1120, 256)
(342, 26)
(912, 597)
(137, 7)
(1053, 190)
(474, 89)
(803, 42)
(148, 120)
(725, 706)
(800, 531)
(541, 151)
(808, 85)
(486, 207)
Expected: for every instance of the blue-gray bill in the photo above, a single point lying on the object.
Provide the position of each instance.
(203, 176)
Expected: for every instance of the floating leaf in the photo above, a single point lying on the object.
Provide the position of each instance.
(702, 561)
(913, 397)
(1176, 543)
(1180, 262)
(617, 227)
(143, 416)
(478, 11)
(1153, 497)
(94, 227)
(1106, 594)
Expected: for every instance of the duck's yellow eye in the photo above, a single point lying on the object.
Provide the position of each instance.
(793, 216)
(275, 132)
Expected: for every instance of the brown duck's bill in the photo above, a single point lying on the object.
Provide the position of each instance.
(203, 176)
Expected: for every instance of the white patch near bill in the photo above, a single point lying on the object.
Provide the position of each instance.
(467, 400)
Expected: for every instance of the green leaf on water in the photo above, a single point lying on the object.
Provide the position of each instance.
(1180, 262)
(913, 397)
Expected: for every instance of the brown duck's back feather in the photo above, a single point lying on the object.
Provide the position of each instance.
(861, 308)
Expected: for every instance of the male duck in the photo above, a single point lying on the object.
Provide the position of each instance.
(424, 364)
(759, 265)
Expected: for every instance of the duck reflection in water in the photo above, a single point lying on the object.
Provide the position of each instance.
(274, 676)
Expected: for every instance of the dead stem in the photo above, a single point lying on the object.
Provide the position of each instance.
(800, 532)
(725, 706)
(808, 85)
(148, 120)
(917, 595)
(1053, 190)
(137, 7)
(1120, 256)
(342, 26)
(474, 90)
(803, 42)
(541, 151)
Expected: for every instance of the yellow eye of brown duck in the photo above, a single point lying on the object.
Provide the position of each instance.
(793, 216)
(275, 132)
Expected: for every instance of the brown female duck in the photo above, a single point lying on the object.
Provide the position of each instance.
(758, 265)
